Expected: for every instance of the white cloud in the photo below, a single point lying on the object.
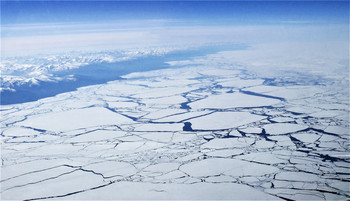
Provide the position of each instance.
(135, 35)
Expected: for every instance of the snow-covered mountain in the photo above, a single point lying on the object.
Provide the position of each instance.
(31, 70)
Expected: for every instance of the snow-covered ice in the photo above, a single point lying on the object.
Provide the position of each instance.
(224, 120)
(283, 128)
(75, 119)
(191, 132)
(234, 100)
(232, 167)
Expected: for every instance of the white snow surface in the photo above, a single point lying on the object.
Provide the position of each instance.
(232, 101)
(283, 128)
(75, 119)
(125, 140)
(224, 120)
(232, 167)
(152, 191)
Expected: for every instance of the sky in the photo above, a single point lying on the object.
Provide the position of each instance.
(252, 12)
(34, 26)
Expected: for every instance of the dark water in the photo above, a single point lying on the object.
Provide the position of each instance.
(261, 95)
(104, 72)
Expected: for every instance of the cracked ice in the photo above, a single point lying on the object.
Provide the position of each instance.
(248, 139)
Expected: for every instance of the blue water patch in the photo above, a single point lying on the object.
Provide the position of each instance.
(103, 72)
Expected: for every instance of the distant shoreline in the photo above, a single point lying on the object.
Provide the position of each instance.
(101, 73)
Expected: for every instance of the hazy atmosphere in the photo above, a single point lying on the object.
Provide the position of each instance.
(175, 100)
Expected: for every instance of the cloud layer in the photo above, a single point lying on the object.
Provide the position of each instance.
(109, 36)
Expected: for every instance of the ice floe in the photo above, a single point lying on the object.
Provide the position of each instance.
(232, 167)
(234, 100)
(75, 119)
(224, 120)
(283, 128)
(209, 131)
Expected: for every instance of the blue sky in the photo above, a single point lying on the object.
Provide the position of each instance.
(42, 26)
(237, 12)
